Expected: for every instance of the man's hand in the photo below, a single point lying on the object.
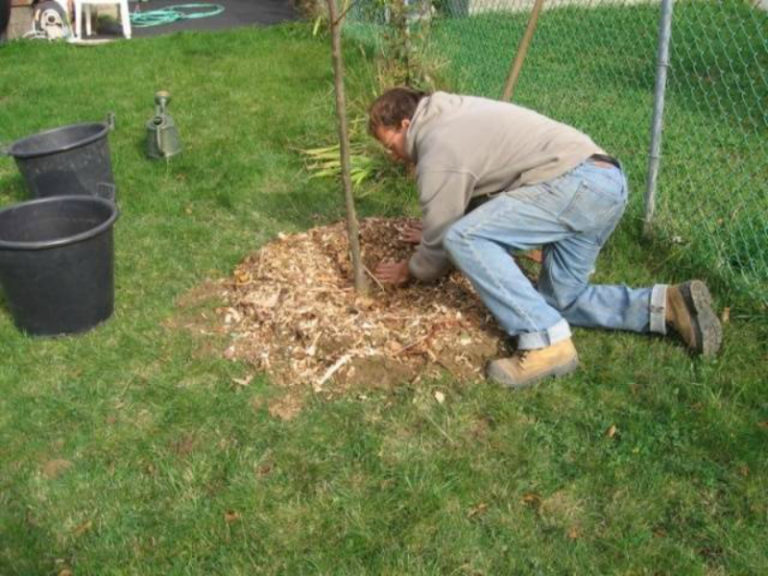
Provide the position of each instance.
(411, 233)
(395, 273)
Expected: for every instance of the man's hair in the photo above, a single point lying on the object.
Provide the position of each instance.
(391, 108)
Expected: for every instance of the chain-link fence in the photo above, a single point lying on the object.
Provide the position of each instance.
(592, 64)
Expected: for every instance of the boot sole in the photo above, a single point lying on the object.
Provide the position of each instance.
(556, 372)
(709, 333)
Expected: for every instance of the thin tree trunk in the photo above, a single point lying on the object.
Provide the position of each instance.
(403, 37)
(361, 285)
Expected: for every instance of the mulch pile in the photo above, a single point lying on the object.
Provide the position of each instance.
(291, 310)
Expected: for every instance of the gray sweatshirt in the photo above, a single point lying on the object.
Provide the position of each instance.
(465, 146)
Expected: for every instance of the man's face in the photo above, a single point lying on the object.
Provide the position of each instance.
(393, 139)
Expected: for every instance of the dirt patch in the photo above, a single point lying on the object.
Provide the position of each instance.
(291, 310)
(56, 467)
(196, 314)
(286, 407)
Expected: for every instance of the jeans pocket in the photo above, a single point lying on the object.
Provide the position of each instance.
(592, 208)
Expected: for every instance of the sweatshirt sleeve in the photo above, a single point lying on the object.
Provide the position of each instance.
(444, 195)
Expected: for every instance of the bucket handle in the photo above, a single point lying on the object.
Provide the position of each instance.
(111, 121)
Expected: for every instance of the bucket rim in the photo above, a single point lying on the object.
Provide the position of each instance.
(46, 244)
(71, 146)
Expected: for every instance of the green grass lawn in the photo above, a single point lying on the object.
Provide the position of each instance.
(130, 449)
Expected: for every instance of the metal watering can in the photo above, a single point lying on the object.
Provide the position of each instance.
(162, 135)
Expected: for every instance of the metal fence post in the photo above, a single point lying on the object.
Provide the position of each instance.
(654, 155)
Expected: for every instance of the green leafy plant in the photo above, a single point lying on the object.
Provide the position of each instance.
(325, 162)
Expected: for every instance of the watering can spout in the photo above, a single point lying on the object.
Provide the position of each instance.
(162, 135)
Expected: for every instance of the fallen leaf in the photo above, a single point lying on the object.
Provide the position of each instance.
(65, 572)
(242, 276)
(478, 510)
(611, 432)
(763, 425)
(574, 532)
(231, 516)
(726, 315)
(532, 499)
(83, 528)
(243, 381)
(439, 396)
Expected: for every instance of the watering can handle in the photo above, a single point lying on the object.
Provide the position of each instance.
(159, 139)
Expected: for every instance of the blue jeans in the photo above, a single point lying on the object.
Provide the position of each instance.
(571, 216)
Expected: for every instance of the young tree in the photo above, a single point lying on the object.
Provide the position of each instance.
(336, 21)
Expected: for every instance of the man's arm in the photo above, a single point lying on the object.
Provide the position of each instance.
(444, 195)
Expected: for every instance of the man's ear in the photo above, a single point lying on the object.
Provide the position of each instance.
(405, 123)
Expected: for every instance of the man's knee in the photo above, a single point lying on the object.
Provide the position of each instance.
(560, 296)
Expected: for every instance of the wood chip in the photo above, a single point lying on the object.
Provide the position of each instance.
(291, 310)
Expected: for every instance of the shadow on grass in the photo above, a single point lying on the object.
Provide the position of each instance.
(26, 546)
(12, 190)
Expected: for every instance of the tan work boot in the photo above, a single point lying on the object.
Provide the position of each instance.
(689, 313)
(526, 367)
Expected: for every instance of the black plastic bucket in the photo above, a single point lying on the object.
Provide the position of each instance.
(71, 160)
(57, 263)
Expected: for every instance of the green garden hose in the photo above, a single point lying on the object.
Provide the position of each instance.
(175, 13)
